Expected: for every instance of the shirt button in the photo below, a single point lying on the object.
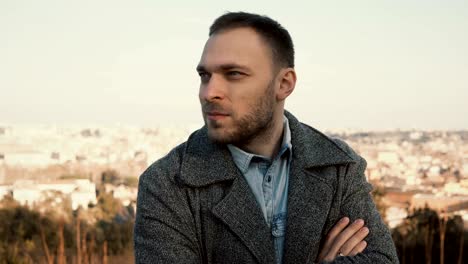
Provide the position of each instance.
(269, 178)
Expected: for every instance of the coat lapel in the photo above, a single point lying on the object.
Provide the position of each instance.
(310, 192)
(207, 163)
(239, 211)
(309, 200)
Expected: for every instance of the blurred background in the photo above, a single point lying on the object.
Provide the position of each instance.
(93, 92)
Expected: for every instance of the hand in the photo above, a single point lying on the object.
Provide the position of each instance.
(344, 240)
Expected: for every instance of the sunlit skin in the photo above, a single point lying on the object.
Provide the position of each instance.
(242, 91)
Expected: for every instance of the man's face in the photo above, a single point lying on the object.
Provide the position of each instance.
(237, 89)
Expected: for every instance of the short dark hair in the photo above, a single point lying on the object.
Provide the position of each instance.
(275, 35)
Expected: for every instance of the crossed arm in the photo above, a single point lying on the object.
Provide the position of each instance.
(344, 237)
(355, 202)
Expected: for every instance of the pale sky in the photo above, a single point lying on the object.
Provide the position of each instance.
(361, 64)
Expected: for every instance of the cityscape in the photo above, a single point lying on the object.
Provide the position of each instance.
(60, 170)
(94, 92)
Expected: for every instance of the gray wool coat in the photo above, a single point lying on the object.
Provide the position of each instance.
(194, 205)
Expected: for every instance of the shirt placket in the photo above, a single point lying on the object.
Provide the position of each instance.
(267, 187)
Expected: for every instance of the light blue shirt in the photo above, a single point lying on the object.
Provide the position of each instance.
(268, 179)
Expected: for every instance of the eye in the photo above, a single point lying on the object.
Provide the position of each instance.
(204, 76)
(234, 74)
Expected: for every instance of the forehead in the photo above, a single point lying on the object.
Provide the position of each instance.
(241, 46)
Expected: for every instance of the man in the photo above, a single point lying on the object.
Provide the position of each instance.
(255, 185)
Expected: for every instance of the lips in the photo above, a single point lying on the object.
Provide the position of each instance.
(214, 111)
(214, 115)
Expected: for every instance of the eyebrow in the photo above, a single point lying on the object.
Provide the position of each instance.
(223, 67)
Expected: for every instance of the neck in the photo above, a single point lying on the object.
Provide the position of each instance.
(268, 142)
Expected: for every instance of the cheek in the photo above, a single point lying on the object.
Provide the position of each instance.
(245, 105)
(200, 94)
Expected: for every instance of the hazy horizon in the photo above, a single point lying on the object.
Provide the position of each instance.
(367, 65)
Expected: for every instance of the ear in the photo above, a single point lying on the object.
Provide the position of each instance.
(287, 82)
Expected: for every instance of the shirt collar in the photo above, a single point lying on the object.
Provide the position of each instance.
(243, 158)
(203, 162)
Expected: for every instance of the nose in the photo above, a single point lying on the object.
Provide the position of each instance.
(212, 90)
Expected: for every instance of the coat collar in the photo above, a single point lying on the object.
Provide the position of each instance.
(309, 198)
(205, 162)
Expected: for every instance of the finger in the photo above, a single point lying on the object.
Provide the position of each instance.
(334, 232)
(354, 240)
(344, 236)
(358, 248)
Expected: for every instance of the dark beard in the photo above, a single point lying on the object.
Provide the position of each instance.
(256, 123)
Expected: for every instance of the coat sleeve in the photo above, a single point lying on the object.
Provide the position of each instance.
(357, 202)
(164, 229)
